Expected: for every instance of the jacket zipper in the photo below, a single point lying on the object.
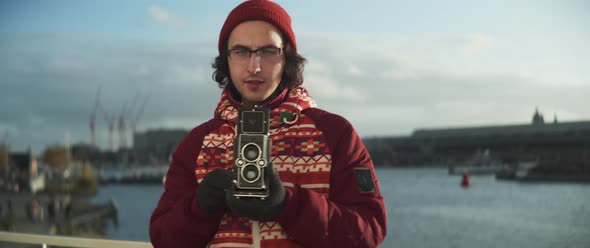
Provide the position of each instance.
(255, 234)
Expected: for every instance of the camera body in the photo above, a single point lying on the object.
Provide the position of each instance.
(252, 152)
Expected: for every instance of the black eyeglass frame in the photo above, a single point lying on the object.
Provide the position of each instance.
(255, 51)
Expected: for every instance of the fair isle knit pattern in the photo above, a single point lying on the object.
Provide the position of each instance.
(299, 153)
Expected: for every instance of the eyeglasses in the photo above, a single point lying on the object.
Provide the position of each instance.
(268, 54)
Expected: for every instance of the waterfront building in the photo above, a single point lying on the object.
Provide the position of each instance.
(568, 142)
(156, 146)
(23, 173)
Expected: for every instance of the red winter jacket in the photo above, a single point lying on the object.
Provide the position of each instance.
(333, 197)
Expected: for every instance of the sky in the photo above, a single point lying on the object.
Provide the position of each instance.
(389, 67)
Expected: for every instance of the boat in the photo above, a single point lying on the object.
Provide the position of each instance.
(481, 163)
(476, 169)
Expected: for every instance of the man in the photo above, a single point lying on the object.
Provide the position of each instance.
(323, 188)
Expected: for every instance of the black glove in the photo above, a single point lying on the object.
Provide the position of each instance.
(257, 209)
(211, 190)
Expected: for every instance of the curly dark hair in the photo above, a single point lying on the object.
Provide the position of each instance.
(292, 73)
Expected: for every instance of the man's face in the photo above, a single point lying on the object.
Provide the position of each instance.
(255, 77)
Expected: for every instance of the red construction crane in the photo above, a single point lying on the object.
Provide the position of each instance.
(111, 122)
(133, 121)
(122, 128)
(93, 118)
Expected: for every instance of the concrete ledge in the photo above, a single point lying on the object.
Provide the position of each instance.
(22, 238)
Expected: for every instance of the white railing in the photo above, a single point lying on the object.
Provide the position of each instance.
(45, 240)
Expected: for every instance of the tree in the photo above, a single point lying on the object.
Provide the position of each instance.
(55, 156)
(87, 182)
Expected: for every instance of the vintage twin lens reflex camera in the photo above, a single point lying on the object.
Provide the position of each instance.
(252, 149)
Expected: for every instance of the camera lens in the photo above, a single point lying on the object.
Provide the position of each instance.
(250, 173)
(251, 152)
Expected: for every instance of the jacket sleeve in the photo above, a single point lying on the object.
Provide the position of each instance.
(178, 221)
(348, 217)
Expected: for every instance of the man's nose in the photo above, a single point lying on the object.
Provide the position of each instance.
(254, 63)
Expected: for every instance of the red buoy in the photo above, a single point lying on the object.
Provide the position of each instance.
(465, 180)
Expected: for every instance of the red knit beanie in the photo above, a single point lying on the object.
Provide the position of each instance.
(263, 10)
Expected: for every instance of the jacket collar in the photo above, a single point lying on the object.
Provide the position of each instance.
(291, 101)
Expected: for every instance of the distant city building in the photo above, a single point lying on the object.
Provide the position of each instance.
(538, 118)
(156, 146)
(508, 143)
(23, 172)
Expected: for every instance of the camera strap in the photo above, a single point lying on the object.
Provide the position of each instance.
(287, 118)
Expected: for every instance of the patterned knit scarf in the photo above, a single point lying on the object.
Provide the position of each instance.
(290, 101)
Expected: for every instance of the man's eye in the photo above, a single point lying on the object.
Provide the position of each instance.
(241, 52)
(268, 51)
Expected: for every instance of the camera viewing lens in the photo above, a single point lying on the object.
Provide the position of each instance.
(251, 152)
(250, 173)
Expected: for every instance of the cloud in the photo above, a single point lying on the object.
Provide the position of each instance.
(49, 85)
(411, 82)
(354, 70)
(478, 42)
(163, 16)
(389, 86)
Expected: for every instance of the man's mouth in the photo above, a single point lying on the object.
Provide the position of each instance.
(254, 84)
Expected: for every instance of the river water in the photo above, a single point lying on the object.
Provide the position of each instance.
(428, 208)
